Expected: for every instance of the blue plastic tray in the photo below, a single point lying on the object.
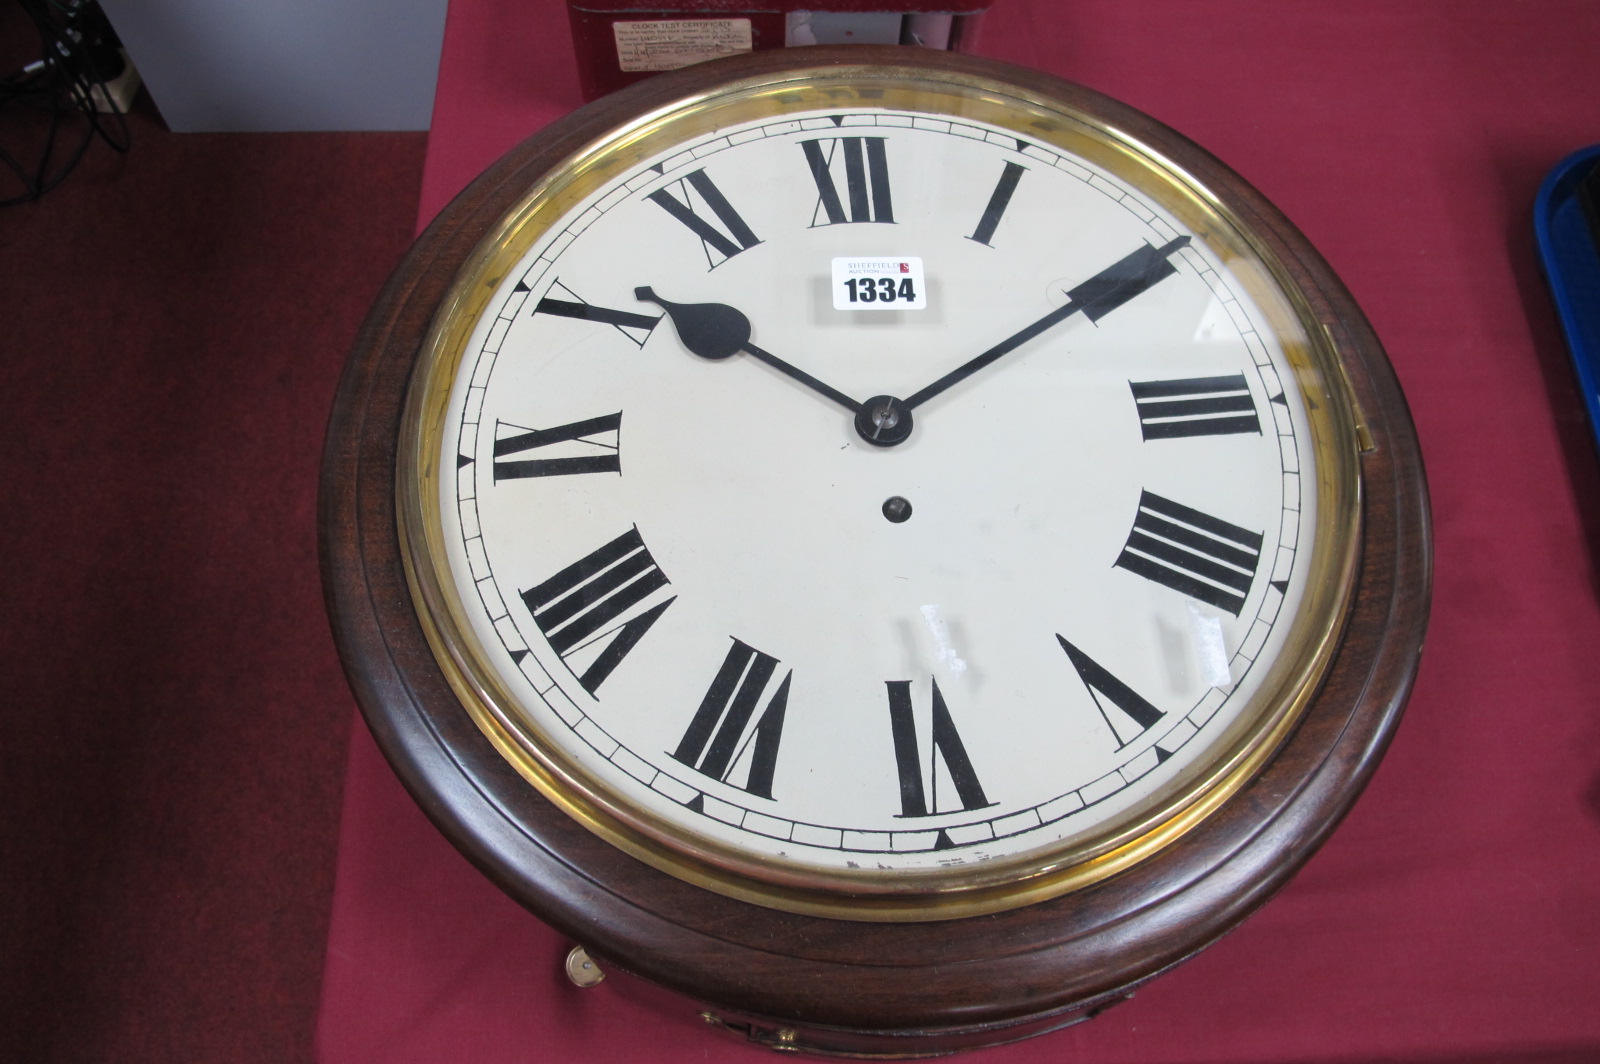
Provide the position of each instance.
(1569, 245)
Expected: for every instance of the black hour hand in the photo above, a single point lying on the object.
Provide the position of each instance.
(716, 331)
(710, 330)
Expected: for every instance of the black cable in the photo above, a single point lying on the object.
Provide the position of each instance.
(78, 50)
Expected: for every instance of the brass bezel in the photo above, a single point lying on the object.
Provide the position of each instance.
(899, 896)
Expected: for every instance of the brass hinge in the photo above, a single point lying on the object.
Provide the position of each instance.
(783, 1039)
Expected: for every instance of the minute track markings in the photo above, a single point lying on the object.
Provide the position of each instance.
(953, 837)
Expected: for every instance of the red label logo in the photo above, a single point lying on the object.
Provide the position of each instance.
(905, 267)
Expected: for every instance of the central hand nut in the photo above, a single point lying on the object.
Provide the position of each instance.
(883, 421)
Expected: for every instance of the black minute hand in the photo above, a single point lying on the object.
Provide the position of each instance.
(716, 331)
(1094, 299)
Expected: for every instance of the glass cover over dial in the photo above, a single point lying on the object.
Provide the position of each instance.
(891, 499)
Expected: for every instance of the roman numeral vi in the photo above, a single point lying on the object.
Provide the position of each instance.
(946, 745)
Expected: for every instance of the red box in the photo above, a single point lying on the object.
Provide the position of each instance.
(619, 42)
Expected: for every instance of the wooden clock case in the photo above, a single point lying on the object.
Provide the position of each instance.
(838, 986)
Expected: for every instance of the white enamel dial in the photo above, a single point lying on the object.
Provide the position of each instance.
(1056, 601)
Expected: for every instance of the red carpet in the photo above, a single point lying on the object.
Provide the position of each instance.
(173, 722)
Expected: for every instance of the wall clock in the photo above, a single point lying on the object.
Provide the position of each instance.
(898, 548)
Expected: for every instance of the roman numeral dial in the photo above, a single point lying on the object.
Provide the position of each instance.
(775, 623)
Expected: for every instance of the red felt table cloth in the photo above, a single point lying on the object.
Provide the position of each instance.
(1456, 914)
